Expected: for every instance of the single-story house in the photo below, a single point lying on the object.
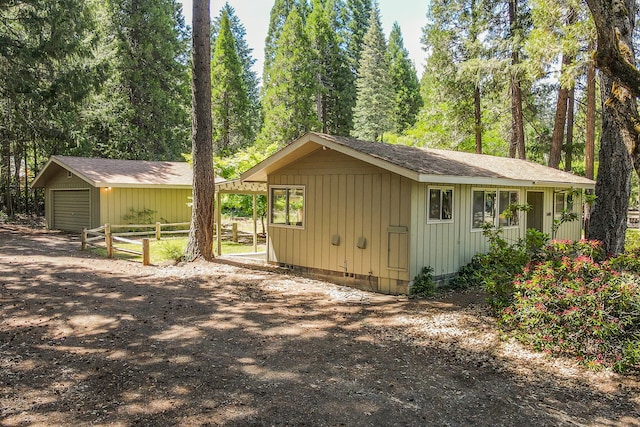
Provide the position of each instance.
(373, 214)
(85, 192)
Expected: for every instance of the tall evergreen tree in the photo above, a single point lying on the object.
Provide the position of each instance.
(375, 96)
(146, 100)
(245, 54)
(47, 69)
(290, 87)
(358, 16)
(229, 100)
(277, 18)
(405, 83)
(333, 76)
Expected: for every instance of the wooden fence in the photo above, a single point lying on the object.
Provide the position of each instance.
(107, 234)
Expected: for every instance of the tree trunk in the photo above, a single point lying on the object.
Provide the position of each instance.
(200, 242)
(478, 119)
(568, 159)
(590, 138)
(517, 123)
(619, 150)
(5, 175)
(608, 221)
(558, 127)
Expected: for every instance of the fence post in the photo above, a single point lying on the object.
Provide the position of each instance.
(158, 227)
(146, 258)
(84, 239)
(234, 232)
(108, 240)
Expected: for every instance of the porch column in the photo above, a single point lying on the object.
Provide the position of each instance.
(218, 224)
(255, 225)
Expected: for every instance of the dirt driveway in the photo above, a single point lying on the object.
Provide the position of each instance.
(91, 341)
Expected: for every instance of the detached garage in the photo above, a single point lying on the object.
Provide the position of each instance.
(85, 192)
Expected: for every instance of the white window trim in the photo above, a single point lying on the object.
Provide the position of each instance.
(441, 188)
(496, 218)
(567, 194)
(304, 206)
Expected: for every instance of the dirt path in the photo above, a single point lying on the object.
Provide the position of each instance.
(91, 341)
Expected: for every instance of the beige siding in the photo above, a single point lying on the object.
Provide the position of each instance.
(170, 204)
(448, 246)
(352, 199)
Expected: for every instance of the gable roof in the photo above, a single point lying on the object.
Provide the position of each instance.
(423, 164)
(119, 173)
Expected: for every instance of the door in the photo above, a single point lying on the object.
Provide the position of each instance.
(71, 210)
(535, 216)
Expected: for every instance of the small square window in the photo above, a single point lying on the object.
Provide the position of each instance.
(287, 206)
(440, 205)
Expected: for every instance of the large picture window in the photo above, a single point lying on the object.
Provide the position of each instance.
(287, 206)
(493, 207)
(440, 205)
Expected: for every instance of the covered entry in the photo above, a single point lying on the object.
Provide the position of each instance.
(535, 215)
(236, 186)
(71, 209)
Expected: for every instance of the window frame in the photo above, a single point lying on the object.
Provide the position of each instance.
(497, 212)
(568, 203)
(509, 191)
(442, 189)
(287, 208)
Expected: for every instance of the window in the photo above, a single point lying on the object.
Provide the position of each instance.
(489, 206)
(287, 206)
(508, 217)
(562, 202)
(440, 204)
(484, 208)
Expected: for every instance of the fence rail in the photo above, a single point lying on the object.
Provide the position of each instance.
(105, 233)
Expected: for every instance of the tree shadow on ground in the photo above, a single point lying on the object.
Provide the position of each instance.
(82, 345)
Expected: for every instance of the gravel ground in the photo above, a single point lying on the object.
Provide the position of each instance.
(92, 341)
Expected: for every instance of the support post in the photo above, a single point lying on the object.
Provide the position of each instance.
(234, 232)
(84, 239)
(158, 228)
(255, 224)
(146, 256)
(218, 224)
(108, 240)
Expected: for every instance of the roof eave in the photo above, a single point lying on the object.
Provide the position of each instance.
(451, 179)
(56, 160)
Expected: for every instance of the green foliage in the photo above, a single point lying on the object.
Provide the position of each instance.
(569, 304)
(375, 96)
(407, 102)
(143, 216)
(172, 250)
(423, 283)
(229, 101)
(290, 88)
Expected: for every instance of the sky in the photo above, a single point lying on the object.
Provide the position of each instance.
(254, 14)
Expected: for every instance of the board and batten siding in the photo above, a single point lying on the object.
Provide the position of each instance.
(447, 246)
(64, 181)
(171, 205)
(352, 199)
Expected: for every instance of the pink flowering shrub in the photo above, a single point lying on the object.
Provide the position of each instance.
(570, 304)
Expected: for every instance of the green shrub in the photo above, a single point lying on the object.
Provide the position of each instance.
(172, 251)
(423, 283)
(571, 305)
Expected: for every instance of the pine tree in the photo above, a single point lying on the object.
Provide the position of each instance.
(405, 83)
(278, 16)
(333, 76)
(375, 96)
(143, 112)
(229, 100)
(290, 89)
(358, 17)
(245, 54)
